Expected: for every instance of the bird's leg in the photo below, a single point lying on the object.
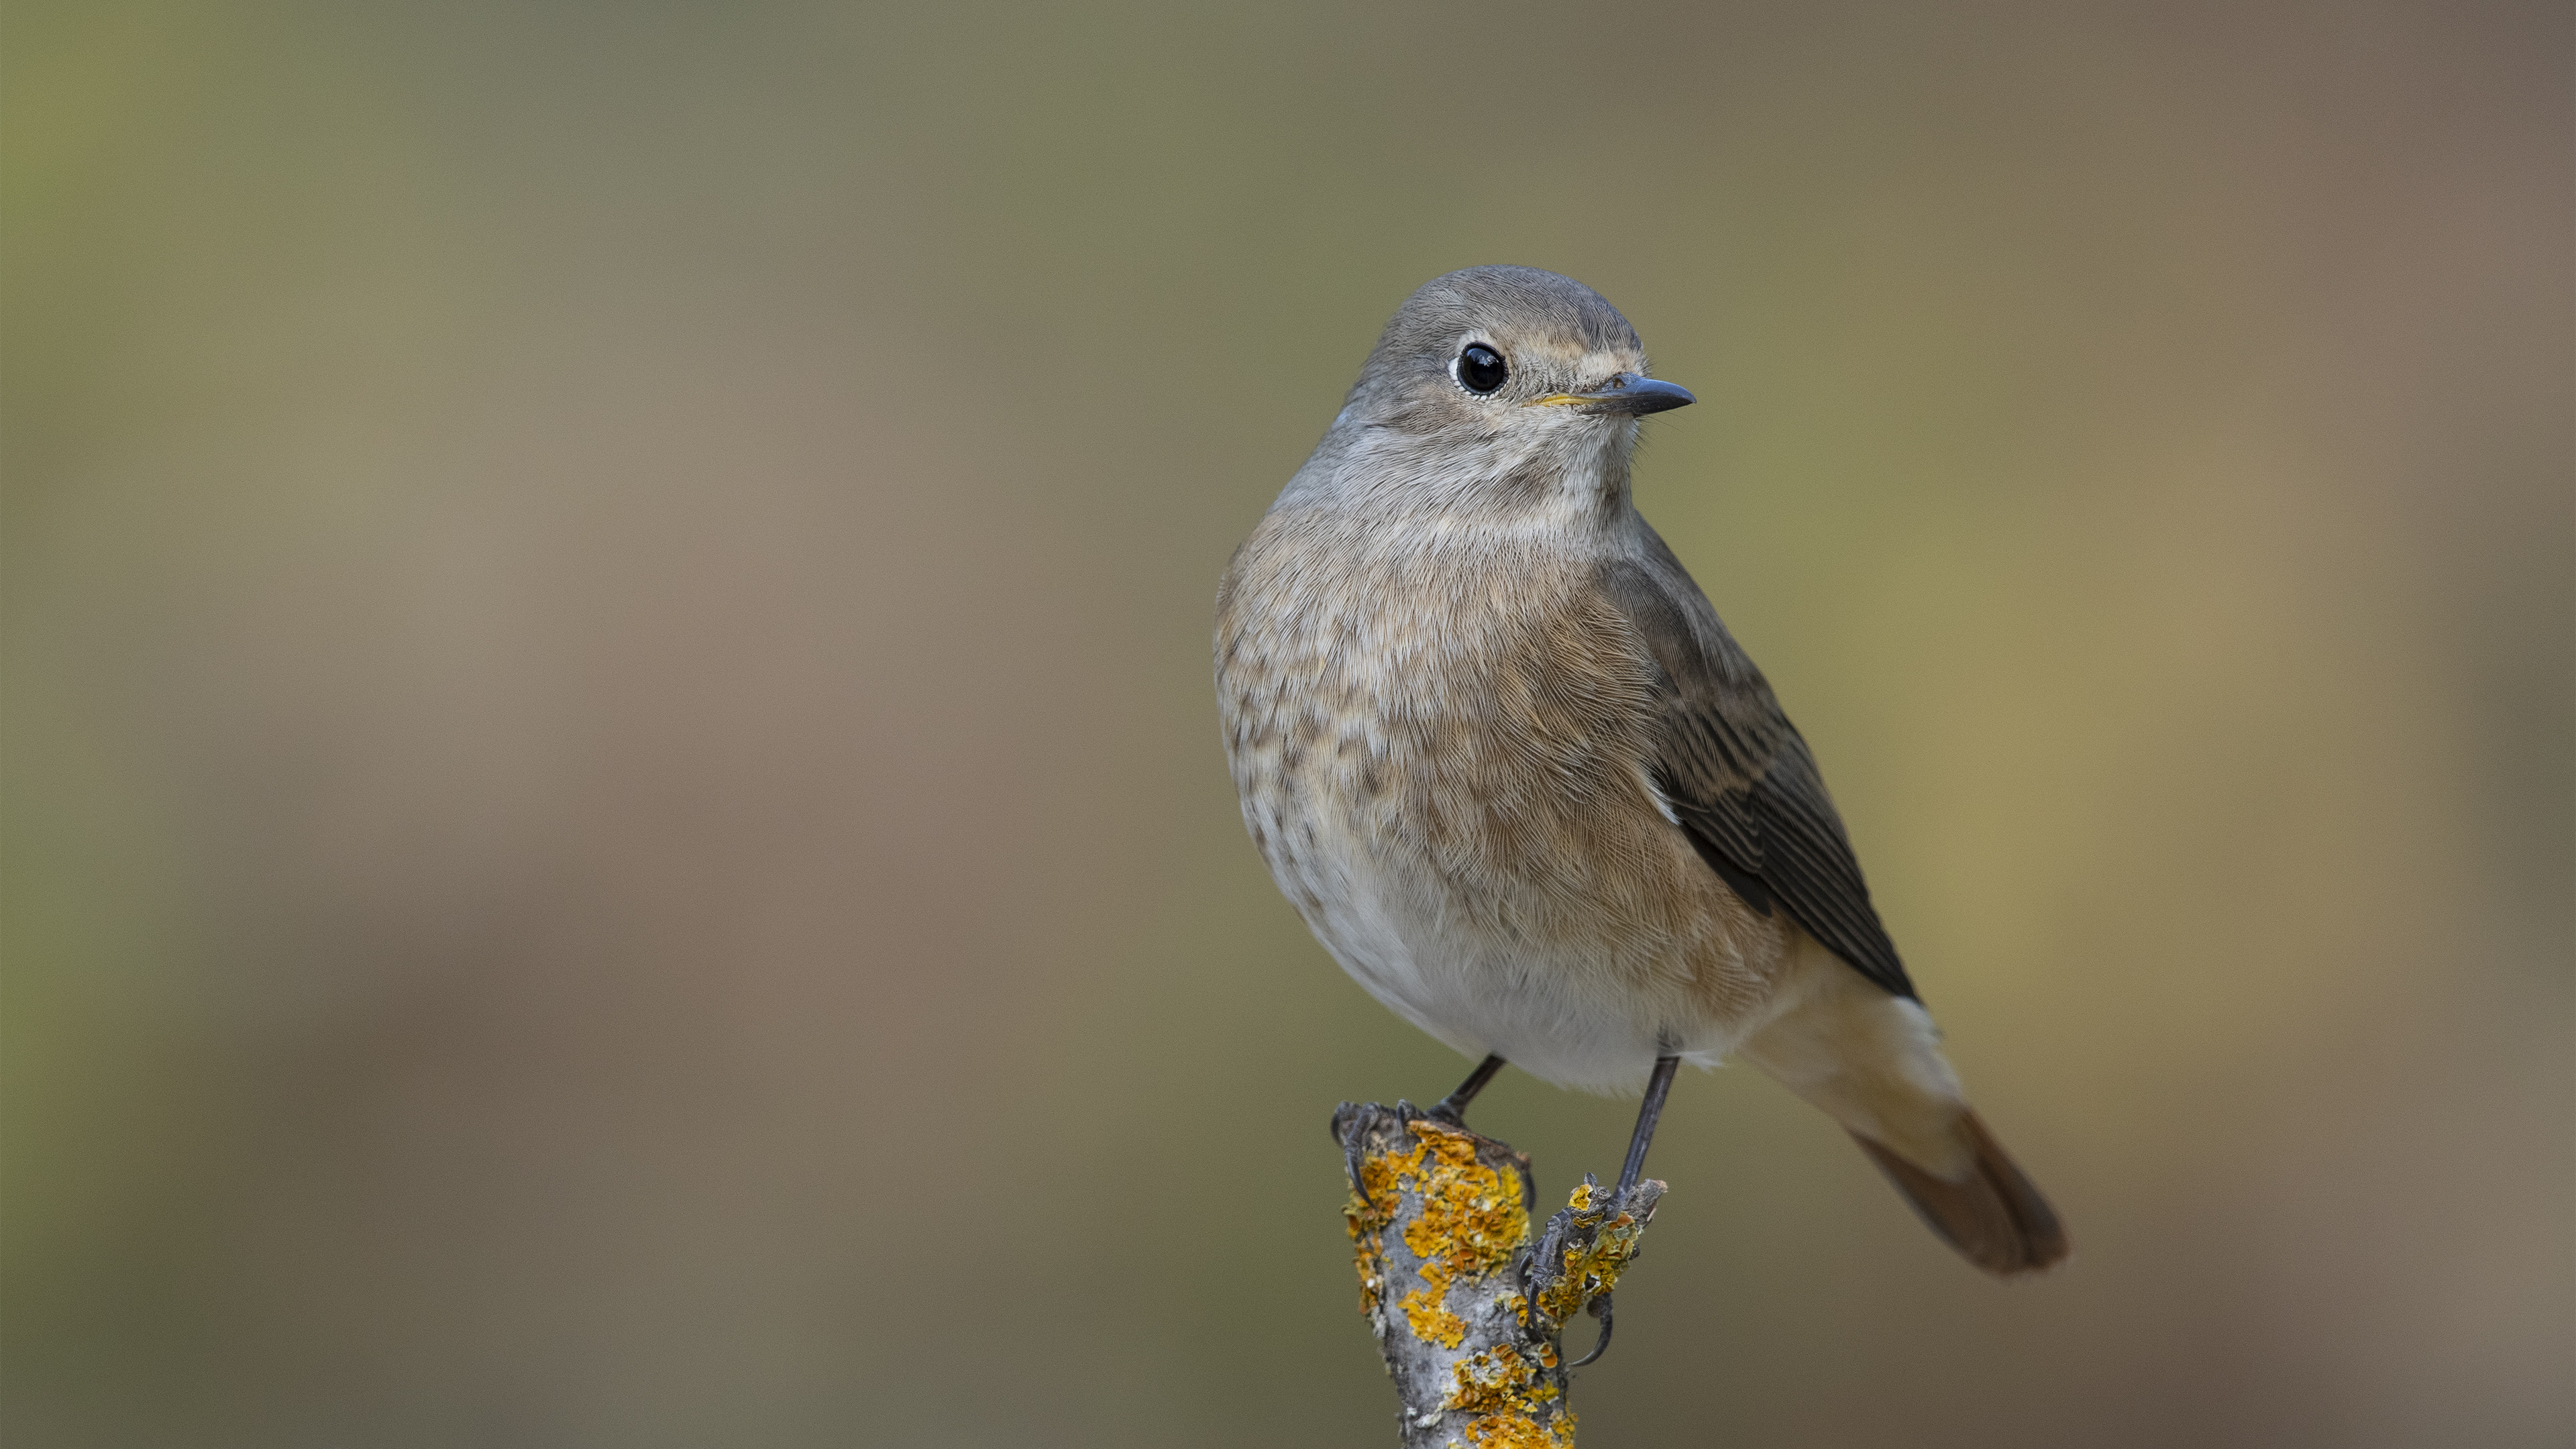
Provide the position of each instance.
(1647, 1112)
(1657, 1088)
(1452, 1109)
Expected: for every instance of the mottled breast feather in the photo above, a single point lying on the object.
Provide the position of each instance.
(1738, 776)
(1476, 699)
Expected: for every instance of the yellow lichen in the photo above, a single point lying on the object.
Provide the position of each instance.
(1366, 1220)
(1372, 1266)
(1498, 1431)
(1500, 1381)
(1472, 1220)
(1472, 1216)
(1430, 1321)
(1364, 1223)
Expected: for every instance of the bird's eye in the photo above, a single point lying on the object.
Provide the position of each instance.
(1480, 368)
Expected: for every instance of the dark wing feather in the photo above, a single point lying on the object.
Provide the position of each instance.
(1738, 775)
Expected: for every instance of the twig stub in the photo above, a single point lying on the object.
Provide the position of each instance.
(1467, 1314)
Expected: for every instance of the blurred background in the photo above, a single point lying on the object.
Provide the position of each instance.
(615, 830)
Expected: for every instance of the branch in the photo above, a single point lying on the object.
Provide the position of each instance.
(1467, 1312)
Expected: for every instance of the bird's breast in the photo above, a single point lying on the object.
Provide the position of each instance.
(1467, 715)
(1444, 755)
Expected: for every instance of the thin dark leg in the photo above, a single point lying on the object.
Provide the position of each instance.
(1647, 1113)
(1453, 1108)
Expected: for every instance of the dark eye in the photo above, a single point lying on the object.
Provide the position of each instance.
(1480, 368)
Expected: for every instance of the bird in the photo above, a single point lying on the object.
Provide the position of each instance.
(1501, 755)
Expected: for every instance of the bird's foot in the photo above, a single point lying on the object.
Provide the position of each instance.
(1351, 1126)
(1600, 1309)
(1586, 1246)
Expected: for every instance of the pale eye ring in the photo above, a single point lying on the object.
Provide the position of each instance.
(1480, 369)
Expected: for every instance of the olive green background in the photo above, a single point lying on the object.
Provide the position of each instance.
(615, 834)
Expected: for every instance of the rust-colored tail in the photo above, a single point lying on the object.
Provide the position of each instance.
(1992, 1214)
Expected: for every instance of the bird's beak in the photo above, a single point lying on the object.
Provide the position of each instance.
(1627, 395)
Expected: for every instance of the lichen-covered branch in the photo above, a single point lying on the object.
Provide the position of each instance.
(1469, 1313)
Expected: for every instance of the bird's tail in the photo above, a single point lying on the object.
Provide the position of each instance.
(1873, 1061)
(1992, 1214)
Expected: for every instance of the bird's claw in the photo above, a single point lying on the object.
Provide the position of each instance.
(1352, 1122)
(1349, 1125)
(1600, 1309)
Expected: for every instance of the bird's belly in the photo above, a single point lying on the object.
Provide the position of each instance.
(1577, 939)
(1545, 1006)
(1458, 803)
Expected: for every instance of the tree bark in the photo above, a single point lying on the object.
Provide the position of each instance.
(1470, 1313)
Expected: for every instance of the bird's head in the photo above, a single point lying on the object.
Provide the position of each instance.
(1507, 374)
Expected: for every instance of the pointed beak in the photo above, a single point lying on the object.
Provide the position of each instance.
(1628, 395)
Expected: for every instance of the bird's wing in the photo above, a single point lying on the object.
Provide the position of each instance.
(1737, 775)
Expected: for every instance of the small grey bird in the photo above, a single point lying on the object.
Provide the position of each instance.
(1501, 755)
